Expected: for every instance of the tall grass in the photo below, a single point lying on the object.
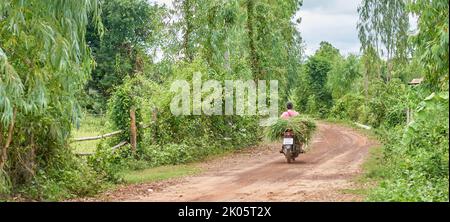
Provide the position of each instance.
(90, 125)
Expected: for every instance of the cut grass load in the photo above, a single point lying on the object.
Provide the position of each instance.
(303, 128)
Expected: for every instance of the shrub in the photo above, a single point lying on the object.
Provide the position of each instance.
(66, 177)
(120, 104)
(170, 139)
(418, 156)
(388, 103)
(350, 107)
(108, 163)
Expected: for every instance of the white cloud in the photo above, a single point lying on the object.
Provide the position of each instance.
(333, 21)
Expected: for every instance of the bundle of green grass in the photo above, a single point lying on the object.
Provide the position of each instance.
(303, 128)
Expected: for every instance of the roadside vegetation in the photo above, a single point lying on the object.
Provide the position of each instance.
(78, 69)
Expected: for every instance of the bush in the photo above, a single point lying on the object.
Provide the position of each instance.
(350, 107)
(120, 104)
(418, 156)
(66, 177)
(388, 103)
(108, 163)
(170, 139)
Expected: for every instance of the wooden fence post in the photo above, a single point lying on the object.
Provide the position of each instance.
(155, 126)
(408, 115)
(133, 129)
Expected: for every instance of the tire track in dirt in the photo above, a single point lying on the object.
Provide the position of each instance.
(262, 174)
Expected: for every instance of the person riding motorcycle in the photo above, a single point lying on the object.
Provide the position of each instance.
(288, 114)
(290, 111)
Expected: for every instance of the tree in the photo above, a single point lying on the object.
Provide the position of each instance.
(223, 33)
(44, 63)
(131, 30)
(187, 9)
(190, 13)
(254, 58)
(383, 25)
(342, 75)
(317, 69)
(432, 40)
(371, 63)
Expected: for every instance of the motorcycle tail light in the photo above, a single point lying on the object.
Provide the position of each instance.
(288, 135)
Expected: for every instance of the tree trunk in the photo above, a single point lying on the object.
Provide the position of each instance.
(211, 30)
(366, 85)
(155, 124)
(227, 64)
(32, 160)
(4, 151)
(251, 36)
(133, 130)
(187, 11)
(389, 70)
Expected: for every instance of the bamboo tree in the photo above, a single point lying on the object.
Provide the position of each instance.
(383, 25)
(432, 40)
(254, 60)
(44, 63)
(187, 9)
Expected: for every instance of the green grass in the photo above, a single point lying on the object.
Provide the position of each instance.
(89, 126)
(357, 191)
(374, 170)
(369, 133)
(159, 173)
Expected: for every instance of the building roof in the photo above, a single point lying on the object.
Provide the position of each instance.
(416, 81)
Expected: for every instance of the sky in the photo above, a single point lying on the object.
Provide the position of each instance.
(333, 21)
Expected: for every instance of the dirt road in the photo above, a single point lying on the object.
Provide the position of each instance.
(261, 174)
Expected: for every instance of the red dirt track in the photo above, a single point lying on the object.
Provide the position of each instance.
(333, 160)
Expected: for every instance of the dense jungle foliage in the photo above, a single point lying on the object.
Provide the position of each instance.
(60, 59)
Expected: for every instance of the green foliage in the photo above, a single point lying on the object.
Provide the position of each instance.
(383, 26)
(311, 105)
(170, 139)
(343, 75)
(124, 99)
(388, 103)
(317, 69)
(170, 154)
(350, 107)
(418, 157)
(43, 60)
(132, 29)
(64, 177)
(432, 40)
(303, 128)
(108, 163)
(44, 64)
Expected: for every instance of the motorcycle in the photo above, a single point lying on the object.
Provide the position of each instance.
(290, 148)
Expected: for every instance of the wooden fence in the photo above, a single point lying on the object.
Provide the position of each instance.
(132, 140)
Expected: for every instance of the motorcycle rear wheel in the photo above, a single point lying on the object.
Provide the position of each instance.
(288, 155)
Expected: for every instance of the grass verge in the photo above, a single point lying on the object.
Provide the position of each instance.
(158, 173)
(373, 168)
(90, 125)
(373, 172)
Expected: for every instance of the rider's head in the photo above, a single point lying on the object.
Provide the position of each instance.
(289, 105)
